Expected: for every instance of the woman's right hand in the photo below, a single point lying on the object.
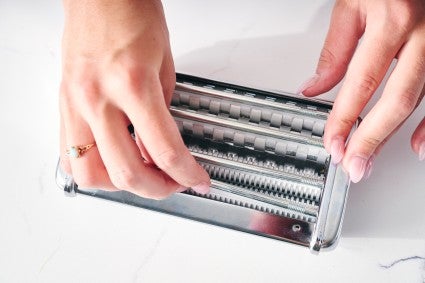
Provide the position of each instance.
(118, 69)
(389, 29)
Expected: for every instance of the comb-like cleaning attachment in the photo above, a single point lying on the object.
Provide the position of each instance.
(270, 174)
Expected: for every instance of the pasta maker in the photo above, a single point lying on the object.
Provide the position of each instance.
(270, 174)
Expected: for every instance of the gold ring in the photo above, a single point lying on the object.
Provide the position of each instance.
(79, 150)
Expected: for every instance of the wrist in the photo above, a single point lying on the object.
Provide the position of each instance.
(93, 25)
(101, 12)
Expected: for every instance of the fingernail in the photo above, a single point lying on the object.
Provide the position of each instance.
(181, 189)
(337, 149)
(369, 166)
(422, 151)
(308, 83)
(202, 188)
(357, 168)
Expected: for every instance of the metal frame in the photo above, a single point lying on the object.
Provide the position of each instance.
(323, 234)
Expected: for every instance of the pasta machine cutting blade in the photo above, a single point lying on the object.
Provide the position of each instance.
(270, 173)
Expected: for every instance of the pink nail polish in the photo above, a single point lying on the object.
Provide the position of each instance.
(422, 151)
(308, 83)
(357, 168)
(369, 166)
(202, 188)
(337, 149)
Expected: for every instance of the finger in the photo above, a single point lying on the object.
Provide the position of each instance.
(370, 163)
(158, 131)
(399, 99)
(123, 160)
(363, 78)
(168, 81)
(88, 170)
(418, 137)
(418, 140)
(168, 78)
(146, 156)
(345, 29)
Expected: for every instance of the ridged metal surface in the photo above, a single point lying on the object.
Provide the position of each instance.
(291, 184)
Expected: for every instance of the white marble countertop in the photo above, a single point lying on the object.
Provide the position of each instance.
(46, 237)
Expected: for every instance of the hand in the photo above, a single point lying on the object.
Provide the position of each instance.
(117, 70)
(390, 29)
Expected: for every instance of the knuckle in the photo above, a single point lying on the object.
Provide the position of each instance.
(88, 93)
(124, 179)
(419, 63)
(132, 79)
(402, 16)
(369, 144)
(367, 84)
(407, 103)
(347, 122)
(168, 159)
(135, 78)
(327, 58)
(81, 93)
